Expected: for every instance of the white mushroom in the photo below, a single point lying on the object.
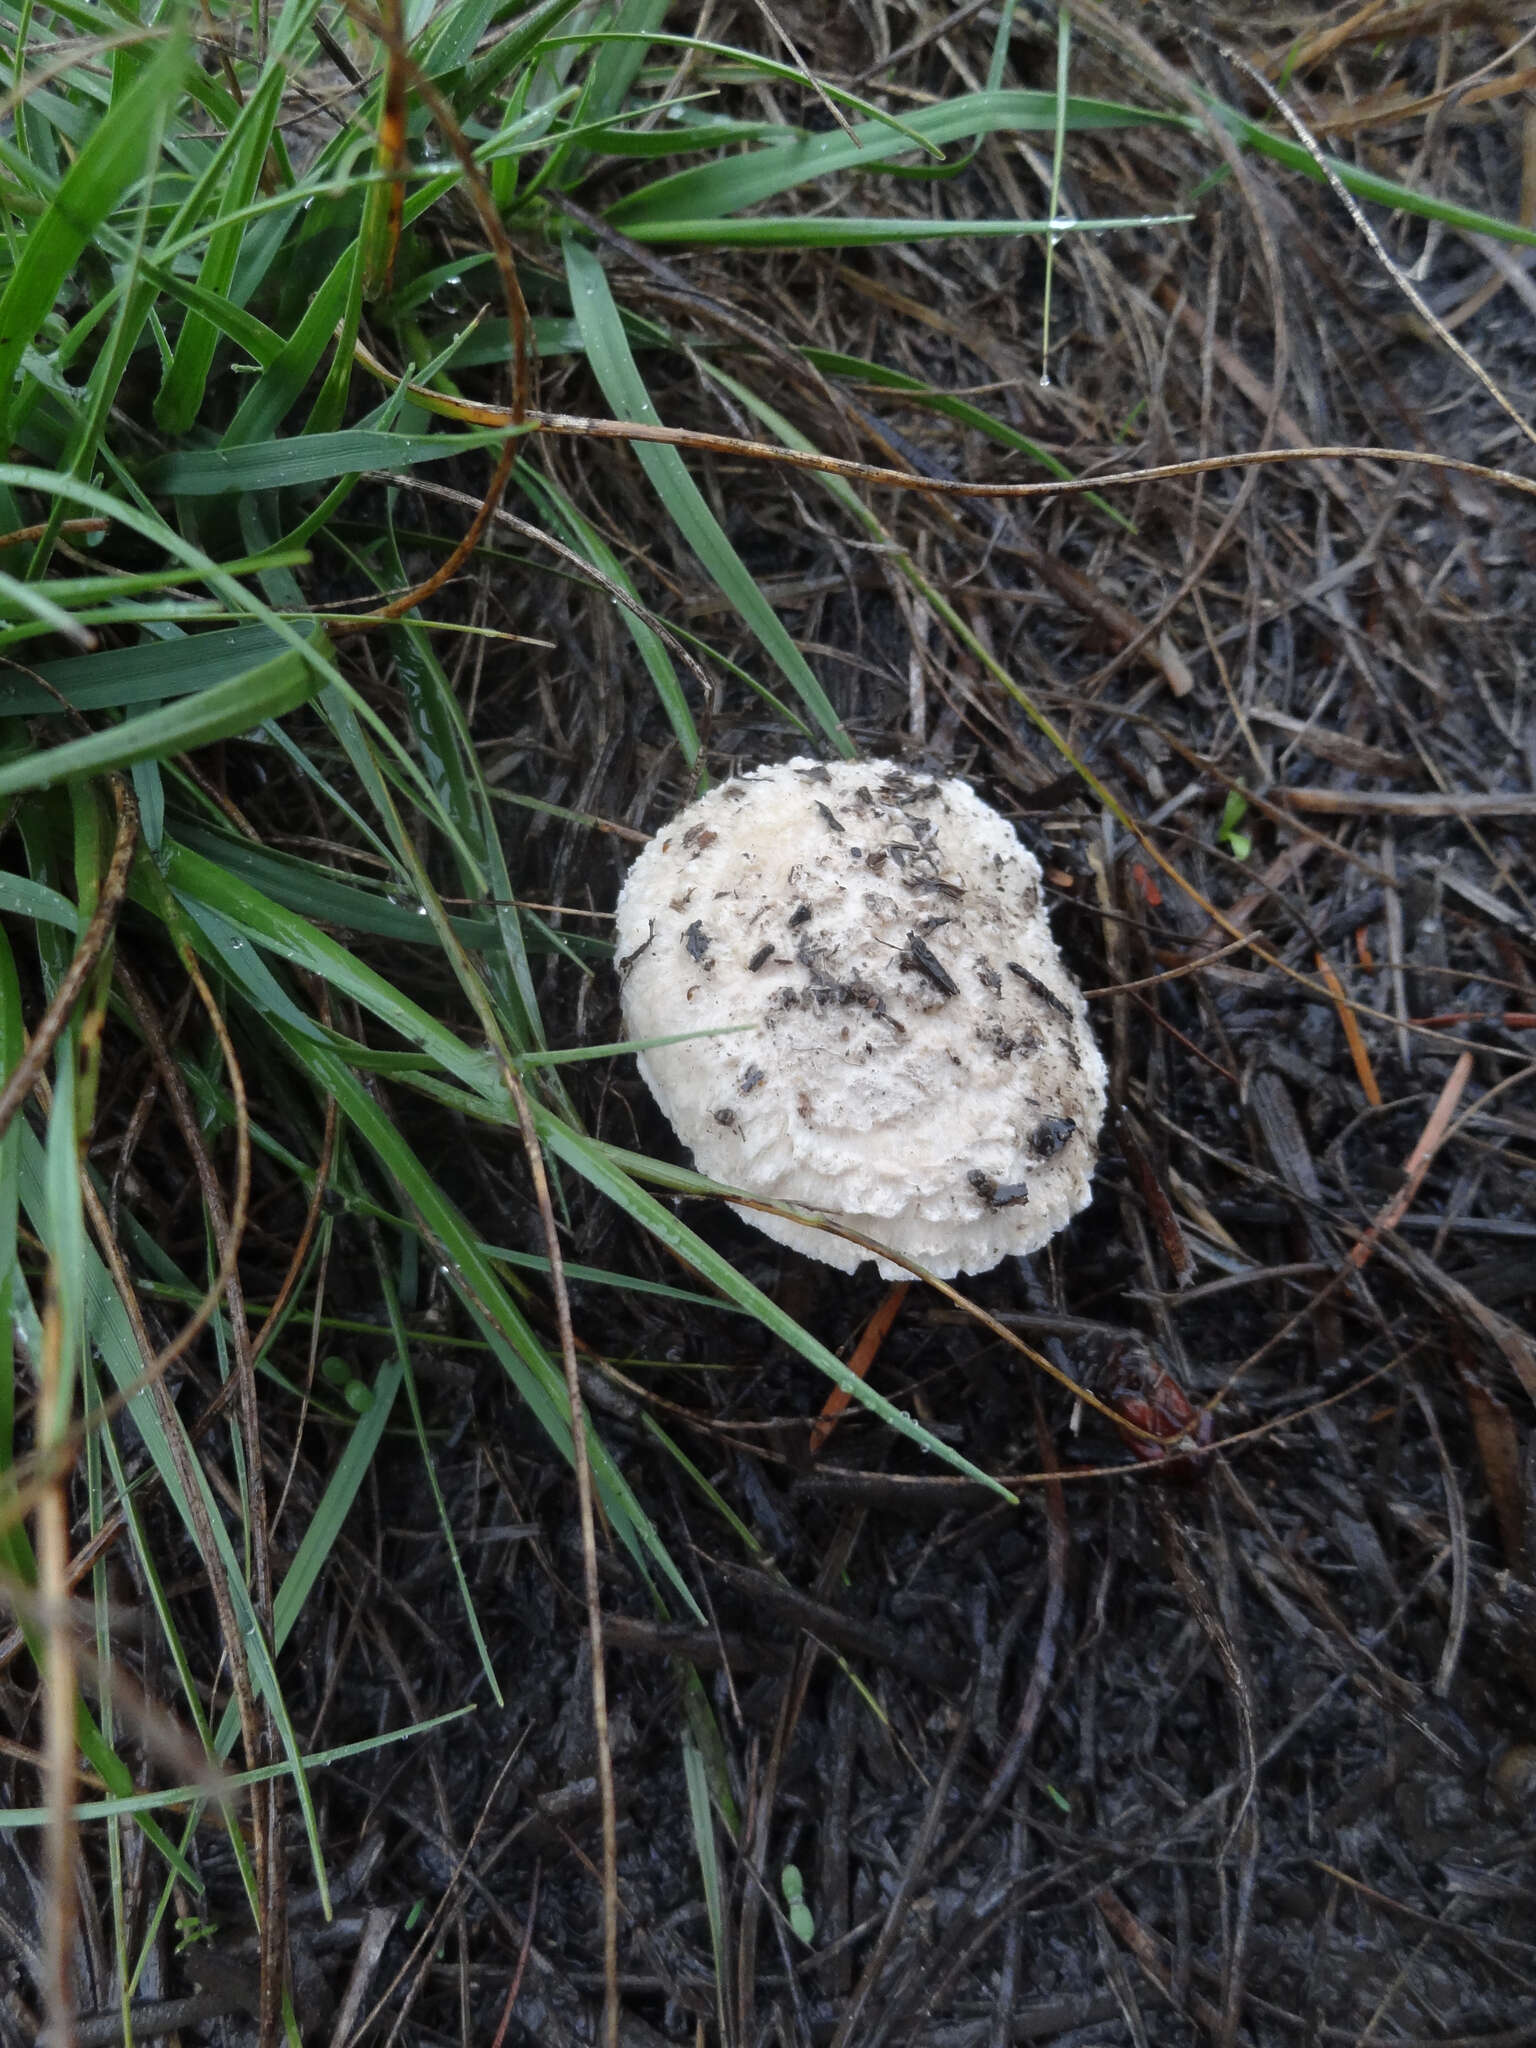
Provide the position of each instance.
(921, 1066)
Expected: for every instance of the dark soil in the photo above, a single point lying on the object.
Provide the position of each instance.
(1239, 1747)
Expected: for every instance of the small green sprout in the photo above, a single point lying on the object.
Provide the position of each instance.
(357, 1394)
(1238, 843)
(800, 1919)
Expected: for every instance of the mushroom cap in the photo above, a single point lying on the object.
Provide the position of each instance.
(920, 1064)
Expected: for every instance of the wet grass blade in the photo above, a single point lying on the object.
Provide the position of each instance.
(1367, 184)
(538, 1377)
(16, 1817)
(702, 1820)
(114, 157)
(275, 687)
(119, 677)
(847, 231)
(391, 1299)
(708, 191)
(614, 366)
(607, 1169)
(309, 459)
(235, 168)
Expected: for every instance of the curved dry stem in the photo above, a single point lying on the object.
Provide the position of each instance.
(397, 608)
(28, 1070)
(406, 69)
(591, 1588)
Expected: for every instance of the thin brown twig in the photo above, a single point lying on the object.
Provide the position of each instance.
(584, 427)
(876, 1330)
(586, 1512)
(480, 196)
(1354, 1037)
(24, 1076)
(1392, 803)
(1149, 1954)
(463, 549)
(1430, 1139)
(1186, 967)
(522, 1961)
(20, 535)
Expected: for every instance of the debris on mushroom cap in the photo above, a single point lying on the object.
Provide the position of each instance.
(922, 1067)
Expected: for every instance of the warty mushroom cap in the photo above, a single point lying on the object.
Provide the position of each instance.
(921, 1068)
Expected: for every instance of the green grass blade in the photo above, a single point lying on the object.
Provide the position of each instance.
(276, 687)
(22, 600)
(239, 162)
(444, 1519)
(21, 897)
(718, 134)
(14, 1552)
(108, 1329)
(281, 384)
(306, 459)
(335, 1504)
(585, 540)
(119, 677)
(614, 366)
(515, 51)
(258, 920)
(606, 1168)
(847, 231)
(1058, 154)
(20, 477)
(113, 158)
(323, 895)
(706, 191)
(608, 79)
(16, 1817)
(702, 1821)
(538, 1378)
(880, 378)
(1366, 184)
